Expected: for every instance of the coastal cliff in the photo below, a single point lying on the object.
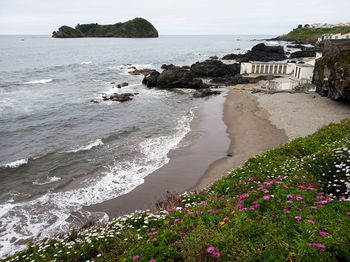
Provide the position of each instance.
(138, 28)
(332, 71)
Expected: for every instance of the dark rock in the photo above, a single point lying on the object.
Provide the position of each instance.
(214, 68)
(214, 57)
(144, 71)
(230, 57)
(165, 66)
(150, 80)
(304, 53)
(186, 67)
(96, 101)
(119, 97)
(206, 92)
(332, 71)
(177, 77)
(112, 83)
(260, 52)
(230, 80)
(124, 84)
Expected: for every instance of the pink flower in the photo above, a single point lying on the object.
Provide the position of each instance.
(297, 218)
(289, 196)
(267, 197)
(154, 239)
(243, 196)
(286, 210)
(153, 229)
(210, 250)
(152, 260)
(290, 201)
(319, 245)
(324, 233)
(166, 223)
(226, 219)
(216, 254)
(348, 213)
(136, 258)
(265, 191)
(311, 222)
(177, 220)
(298, 198)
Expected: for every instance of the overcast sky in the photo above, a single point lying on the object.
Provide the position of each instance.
(172, 16)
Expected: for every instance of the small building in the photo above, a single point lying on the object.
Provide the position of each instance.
(270, 68)
(334, 37)
(304, 71)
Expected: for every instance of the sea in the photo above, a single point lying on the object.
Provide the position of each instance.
(59, 151)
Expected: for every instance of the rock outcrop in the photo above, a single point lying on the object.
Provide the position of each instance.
(332, 71)
(304, 53)
(178, 77)
(260, 52)
(190, 77)
(206, 92)
(138, 28)
(214, 68)
(118, 97)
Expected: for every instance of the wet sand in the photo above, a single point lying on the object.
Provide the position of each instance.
(207, 142)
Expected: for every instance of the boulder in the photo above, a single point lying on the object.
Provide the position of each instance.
(260, 52)
(177, 77)
(144, 71)
(332, 71)
(233, 80)
(165, 66)
(214, 68)
(230, 57)
(118, 97)
(124, 84)
(150, 80)
(303, 53)
(206, 92)
(214, 57)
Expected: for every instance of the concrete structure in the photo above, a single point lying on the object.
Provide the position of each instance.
(263, 68)
(334, 37)
(304, 71)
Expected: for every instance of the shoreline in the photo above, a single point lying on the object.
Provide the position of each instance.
(245, 125)
(187, 163)
(212, 153)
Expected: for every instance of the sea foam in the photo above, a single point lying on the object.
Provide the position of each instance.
(15, 164)
(118, 179)
(96, 143)
(40, 81)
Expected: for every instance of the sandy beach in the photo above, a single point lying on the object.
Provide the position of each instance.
(220, 142)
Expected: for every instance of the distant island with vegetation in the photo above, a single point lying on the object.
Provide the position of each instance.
(311, 33)
(136, 28)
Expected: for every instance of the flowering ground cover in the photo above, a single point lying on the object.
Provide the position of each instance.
(288, 204)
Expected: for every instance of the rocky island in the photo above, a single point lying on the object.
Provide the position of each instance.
(136, 28)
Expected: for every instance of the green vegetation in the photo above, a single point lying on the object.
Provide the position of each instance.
(288, 204)
(312, 34)
(137, 27)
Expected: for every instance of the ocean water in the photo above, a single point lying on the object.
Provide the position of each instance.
(59, 151)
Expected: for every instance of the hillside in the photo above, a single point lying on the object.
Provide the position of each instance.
(137, 27)
(285, 205)
(312, 34)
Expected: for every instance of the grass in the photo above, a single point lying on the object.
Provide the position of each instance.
(288, 204)
(312, 34)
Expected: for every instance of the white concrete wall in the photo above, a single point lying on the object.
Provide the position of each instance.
(267, 68)
(304, 72)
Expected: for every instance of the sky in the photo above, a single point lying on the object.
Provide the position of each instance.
(173, 17)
